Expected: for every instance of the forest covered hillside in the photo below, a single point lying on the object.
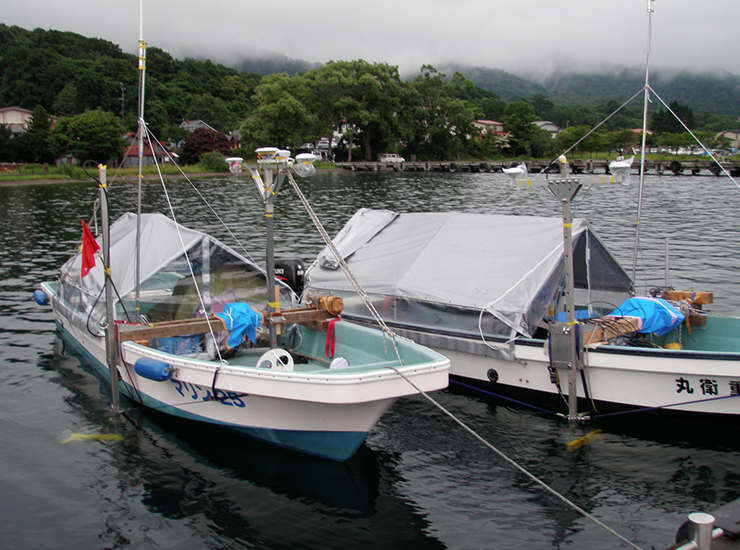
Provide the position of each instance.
(703, 92)
(432, 114)
(67, 73)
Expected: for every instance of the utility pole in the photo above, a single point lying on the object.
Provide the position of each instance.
(123, 89)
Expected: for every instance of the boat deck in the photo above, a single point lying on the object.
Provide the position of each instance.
(314, 366)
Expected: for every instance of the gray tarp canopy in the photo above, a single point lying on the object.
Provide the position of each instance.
(511, 266)
(160, 244)
(163, 265)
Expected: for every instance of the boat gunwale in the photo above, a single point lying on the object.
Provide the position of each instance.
(610, 349)
(333, 376)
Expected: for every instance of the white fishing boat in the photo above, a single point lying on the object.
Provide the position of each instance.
(484, 289)
(179, 322)
(537, 309)
(189, 365)
(518, 174)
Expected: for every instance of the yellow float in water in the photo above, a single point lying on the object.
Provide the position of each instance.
(95, 437)
(585, 440)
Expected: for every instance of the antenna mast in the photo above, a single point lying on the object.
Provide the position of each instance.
(141, 137)
(644, 139)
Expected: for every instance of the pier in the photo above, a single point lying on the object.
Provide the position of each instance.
(589, 166)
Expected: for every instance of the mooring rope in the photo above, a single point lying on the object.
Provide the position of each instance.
(471, 431)
(519, 468)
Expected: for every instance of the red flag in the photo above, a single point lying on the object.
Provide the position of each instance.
(89, 248)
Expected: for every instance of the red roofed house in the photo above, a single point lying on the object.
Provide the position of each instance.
(131, 152)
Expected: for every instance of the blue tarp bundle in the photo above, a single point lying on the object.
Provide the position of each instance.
(657, 315)
(240, 319)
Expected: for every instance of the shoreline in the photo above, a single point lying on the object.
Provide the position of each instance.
(132, 179)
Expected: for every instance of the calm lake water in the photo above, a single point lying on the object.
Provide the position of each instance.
(419, 481)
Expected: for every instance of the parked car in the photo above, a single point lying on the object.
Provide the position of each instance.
(391, 157)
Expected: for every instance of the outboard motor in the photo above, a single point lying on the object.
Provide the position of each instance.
(292, 272)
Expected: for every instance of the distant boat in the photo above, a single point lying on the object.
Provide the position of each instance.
(235, 164)
(621, 168)
(517, 174)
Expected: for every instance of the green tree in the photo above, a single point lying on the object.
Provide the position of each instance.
(280, 119)
(541, 143)
(443, 121)
(7, 154)
(626, 139)
(492, 107)
(214, 161)
(544, 108)
(375, 101)
(518, 118)
(326, 94)
(567, 139)
(664, 121)
(93, 135)
(35, 143)
(212, 110)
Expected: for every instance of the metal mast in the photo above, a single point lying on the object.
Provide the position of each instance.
(644, 139)
(111, 348)
(141, 137)
(564, 339)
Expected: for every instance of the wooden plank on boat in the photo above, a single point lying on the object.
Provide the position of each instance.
(698, 298)
(167, 329)
(301, 315)
(310, 316)
(609, 327)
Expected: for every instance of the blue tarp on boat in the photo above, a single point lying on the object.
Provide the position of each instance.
(657, 315)
(240, 319)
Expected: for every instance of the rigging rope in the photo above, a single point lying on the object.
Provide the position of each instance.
(355, 283)
(200, 195)
(187, 257)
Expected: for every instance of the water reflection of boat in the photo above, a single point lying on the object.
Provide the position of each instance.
(240, 491)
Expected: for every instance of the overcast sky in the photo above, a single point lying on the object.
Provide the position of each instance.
(530, 38)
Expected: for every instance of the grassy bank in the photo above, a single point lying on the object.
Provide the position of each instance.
(36, 172)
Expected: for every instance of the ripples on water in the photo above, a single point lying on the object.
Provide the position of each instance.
(419, 482)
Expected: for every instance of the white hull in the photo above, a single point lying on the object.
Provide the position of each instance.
(327, 415)
(616, 377)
